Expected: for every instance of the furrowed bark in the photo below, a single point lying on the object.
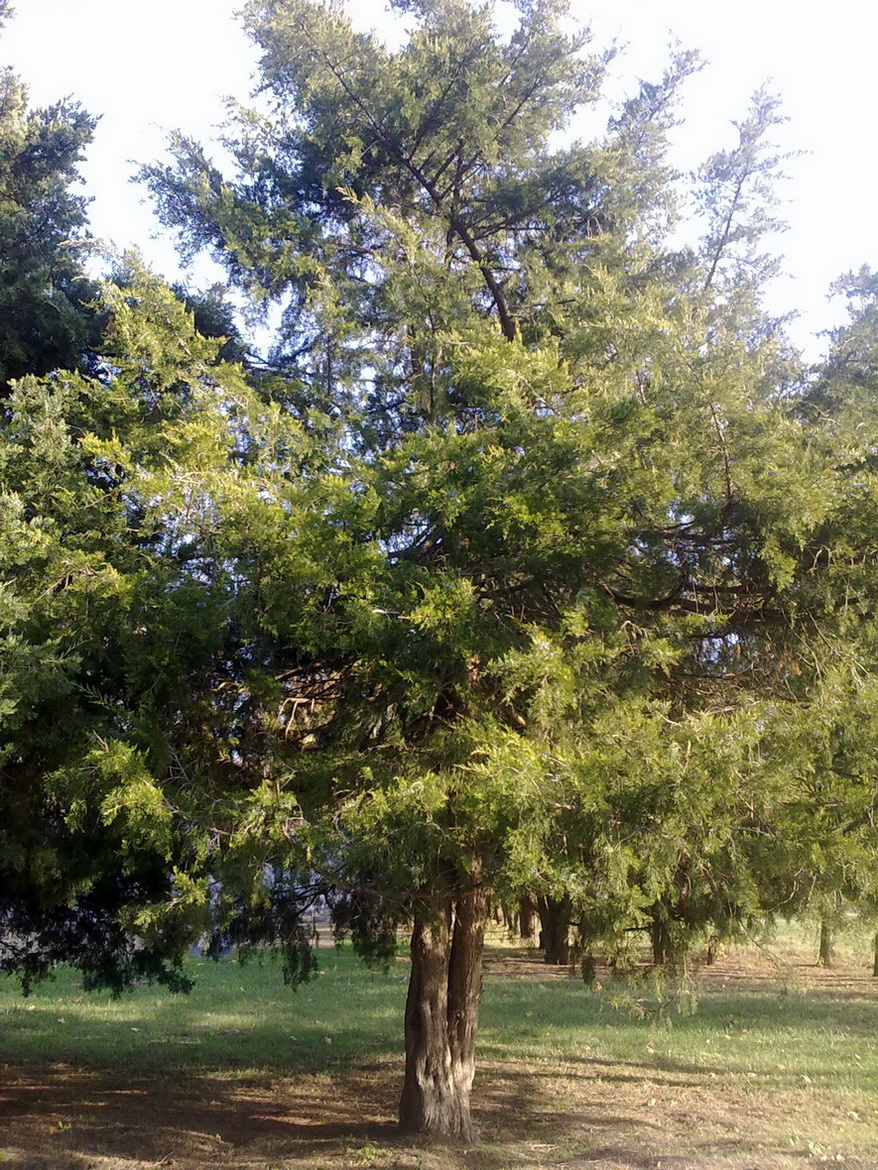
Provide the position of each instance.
(465, 991)
(442, 1014)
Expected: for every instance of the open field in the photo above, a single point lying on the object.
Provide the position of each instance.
(777, 1068)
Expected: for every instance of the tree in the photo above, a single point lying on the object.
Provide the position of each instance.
(578, 501)
(104, 623)
(504, 580)
(46, 316)
(831, 829)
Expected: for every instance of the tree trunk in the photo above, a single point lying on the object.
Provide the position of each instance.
(554, 936)
(442, 1013)
(662, 946)
(825, 956)
(526, 918)
(875, 956)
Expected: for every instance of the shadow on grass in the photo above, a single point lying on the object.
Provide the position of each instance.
(63, 1113)
(246, 1073)
(62, 1117)
(595, 1119)
(194, 1047)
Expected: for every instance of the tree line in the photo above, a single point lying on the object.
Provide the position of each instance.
(531, 564)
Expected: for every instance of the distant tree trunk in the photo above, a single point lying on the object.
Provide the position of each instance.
(526, 918)
(510, 917)
(662, 944)
(554, 935)
(875, 956)
(825, 956)
(442, 1012)
(585, 941)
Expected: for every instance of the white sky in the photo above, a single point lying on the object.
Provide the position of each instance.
(150, 67)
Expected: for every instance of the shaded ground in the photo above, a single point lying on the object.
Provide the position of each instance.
(583, 1114)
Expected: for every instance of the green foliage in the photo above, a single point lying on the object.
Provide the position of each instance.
(47, 319)
(94, 610)
(528, 564)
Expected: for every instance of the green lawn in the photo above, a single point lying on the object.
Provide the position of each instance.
(771, 1069)
(236, 1017)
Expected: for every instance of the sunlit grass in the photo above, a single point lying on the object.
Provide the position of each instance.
(236, 1016)
(771, 1039)
(566, 1068)
(777, 1032)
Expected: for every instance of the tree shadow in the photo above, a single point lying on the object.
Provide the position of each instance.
(580, 1117)
(62, 1114)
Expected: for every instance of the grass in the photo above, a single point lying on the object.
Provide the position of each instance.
(236, 1017)
(771, 1033)
(776, 1067)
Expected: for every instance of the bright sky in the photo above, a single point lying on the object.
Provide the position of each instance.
(149, 67)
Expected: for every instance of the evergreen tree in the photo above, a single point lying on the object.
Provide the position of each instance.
(46, 316)
(506, 579)
(104, 623)
(577, 499)
(830, 832)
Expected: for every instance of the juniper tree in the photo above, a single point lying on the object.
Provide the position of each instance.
(46, 315)
(106, 624)
(505, 578)
(577, 502)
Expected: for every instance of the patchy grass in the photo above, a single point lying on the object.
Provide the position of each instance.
(777, 1067)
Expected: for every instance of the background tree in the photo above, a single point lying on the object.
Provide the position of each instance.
(47, 320)
(106, 623)
(832, 828)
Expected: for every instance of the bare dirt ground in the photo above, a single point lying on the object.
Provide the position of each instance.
(584, 1115)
